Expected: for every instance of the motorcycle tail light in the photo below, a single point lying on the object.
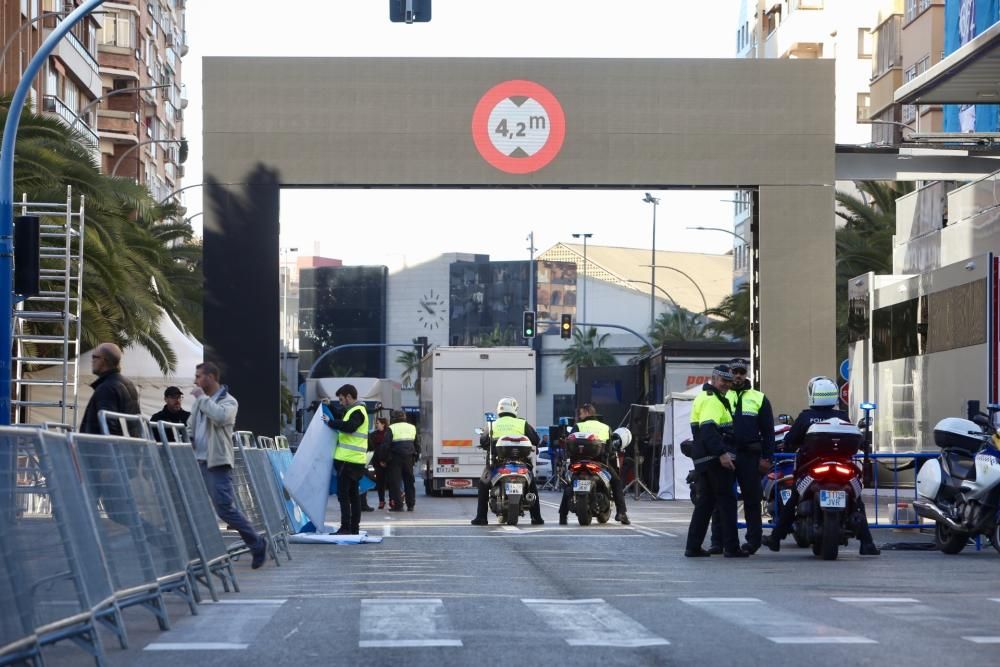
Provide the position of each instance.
(820, 470)
(593, 467)
(575, 466)
(844, 470)
(521, 471)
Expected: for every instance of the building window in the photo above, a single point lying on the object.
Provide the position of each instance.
(772, 20)
(864, 107)
(915, 8)
(52, 81)
(118, 29)
(864, 43)
(24, 7)
(806, 4)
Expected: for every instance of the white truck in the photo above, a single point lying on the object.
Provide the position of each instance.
(458, 385)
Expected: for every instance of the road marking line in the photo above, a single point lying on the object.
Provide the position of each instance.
(775, 624)
(592, 622)
(982, 640)
(822, 640)
(195, 646)
(655, 531)
(875, 600)
(404, 623)
(407, 643)
(387, 531)
(275, 601)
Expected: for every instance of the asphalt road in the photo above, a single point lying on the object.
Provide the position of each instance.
(438, 591)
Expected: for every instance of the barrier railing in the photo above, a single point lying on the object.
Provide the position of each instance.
(886, 481)
(207, 554)
(254, 498)
(280, 459)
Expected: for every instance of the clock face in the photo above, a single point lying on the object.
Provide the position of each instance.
(432, 310)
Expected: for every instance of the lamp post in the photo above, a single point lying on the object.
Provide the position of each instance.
(114, 169)
(665, 292)
(531, 270)
(119, 91)
(24, 26)
(7, 194)
(655, 201)
(704, 301)
(584, 236)
(284, 311)
(724, 231)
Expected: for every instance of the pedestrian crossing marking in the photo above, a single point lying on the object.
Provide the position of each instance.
(982, 640)
(592, 622)
(405, 623)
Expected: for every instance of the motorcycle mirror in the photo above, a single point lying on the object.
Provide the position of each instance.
(479, 431)
(863, 423)
(981, 419)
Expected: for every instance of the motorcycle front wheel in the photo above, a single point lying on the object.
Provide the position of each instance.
(950, 541)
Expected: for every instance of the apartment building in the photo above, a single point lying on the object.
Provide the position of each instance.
(909, 37)
(140, 47)
(70, 79)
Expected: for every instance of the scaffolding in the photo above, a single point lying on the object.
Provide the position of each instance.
(47, 325)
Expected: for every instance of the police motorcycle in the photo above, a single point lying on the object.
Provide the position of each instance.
(509, 459)
(829, 486)
(588, 473)
(960, 490)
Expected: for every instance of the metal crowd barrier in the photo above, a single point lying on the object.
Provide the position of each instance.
(142, 536)
(54, 580)
(207, 554)
(886, 481)
(280, 457)
(254, 498)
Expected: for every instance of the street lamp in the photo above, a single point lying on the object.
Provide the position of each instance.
(650, 199)
(285, 329)
(114, 170)
(584, 237)
(720, 229)
(704, 301)
(665, 292)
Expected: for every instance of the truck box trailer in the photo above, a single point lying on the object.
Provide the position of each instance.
(458, 385)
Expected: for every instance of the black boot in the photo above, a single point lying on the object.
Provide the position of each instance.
(562, 520)
(772, 542)
(869, 549)
(623, 519)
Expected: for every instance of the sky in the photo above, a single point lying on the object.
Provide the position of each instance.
(468, 28)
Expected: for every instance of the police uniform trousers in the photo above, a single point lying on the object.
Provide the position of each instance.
(748, 476)
(715, 489)
(401, 474)
(348, 478)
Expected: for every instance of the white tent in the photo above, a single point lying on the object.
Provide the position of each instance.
(674, 466)
(139, 366)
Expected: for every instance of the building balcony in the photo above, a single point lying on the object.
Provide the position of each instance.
(79, 61)
(56, 107)
(119, 126)
(800, 35)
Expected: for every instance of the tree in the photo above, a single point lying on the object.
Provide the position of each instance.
(410, 361)
(732, 315)
(680, 325)
(587, 350)
(126, 281)
(497, 338)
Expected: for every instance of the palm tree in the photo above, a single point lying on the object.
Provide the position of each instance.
(733, 315)
(680, 325)
(497, 338)
(410, 361)
(587, 351)
(125, 282)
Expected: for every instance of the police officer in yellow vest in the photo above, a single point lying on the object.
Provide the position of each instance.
(403, 436)
(507, 423)
(589, 422)
(714, 456)
(753, 432)
(349, 458)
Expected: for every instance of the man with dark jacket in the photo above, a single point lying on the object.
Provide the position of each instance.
(753, 434)
(113, 391)
(403, 438)
(172, 411)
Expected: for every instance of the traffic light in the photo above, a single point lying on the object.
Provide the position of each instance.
(566, 327)
(528, 324)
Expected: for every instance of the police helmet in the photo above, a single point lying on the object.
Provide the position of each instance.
(507, 404)
(823, 393)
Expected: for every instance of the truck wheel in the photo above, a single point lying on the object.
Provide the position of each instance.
(513, 510)
(949, 541)
(831, 536)
(583, 510)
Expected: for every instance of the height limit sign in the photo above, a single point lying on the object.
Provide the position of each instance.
(518, 126)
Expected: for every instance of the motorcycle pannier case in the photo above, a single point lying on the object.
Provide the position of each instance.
(516, 448)
(834, 438)
(584, 446)
(956, 433)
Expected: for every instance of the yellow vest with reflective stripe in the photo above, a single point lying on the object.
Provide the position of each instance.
(508, 426)
(403, 432)
(707, 408)
(352, 447)
(602, 430)
(750, 401)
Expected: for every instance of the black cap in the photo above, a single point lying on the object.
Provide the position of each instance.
(172, 391)
(723, 371)
(739, 363)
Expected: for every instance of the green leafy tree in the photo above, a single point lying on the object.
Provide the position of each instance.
(410, 361)
(680, 325)
(732, 316)
(499, 337)
(587, 350)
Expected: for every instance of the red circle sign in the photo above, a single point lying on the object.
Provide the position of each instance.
(518, 126)
(845, 394)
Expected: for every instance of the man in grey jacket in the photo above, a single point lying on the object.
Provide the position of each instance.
(211, 424)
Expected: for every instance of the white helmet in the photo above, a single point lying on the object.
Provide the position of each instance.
(809, 385)
(823, 393)
(507, 404)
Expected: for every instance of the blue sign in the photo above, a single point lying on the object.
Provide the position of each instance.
(845, 369)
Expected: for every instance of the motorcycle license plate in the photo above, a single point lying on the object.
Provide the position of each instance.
(785, 495)
(581, 485)
(513, 489)
(832, 498)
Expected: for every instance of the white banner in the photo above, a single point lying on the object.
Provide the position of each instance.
(308, 477)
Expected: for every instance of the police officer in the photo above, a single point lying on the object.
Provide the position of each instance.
(403, 437)
(753, 431)
(711, 425)
(350, 457)
(589, 422)
(823, 396)
(507, 423)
